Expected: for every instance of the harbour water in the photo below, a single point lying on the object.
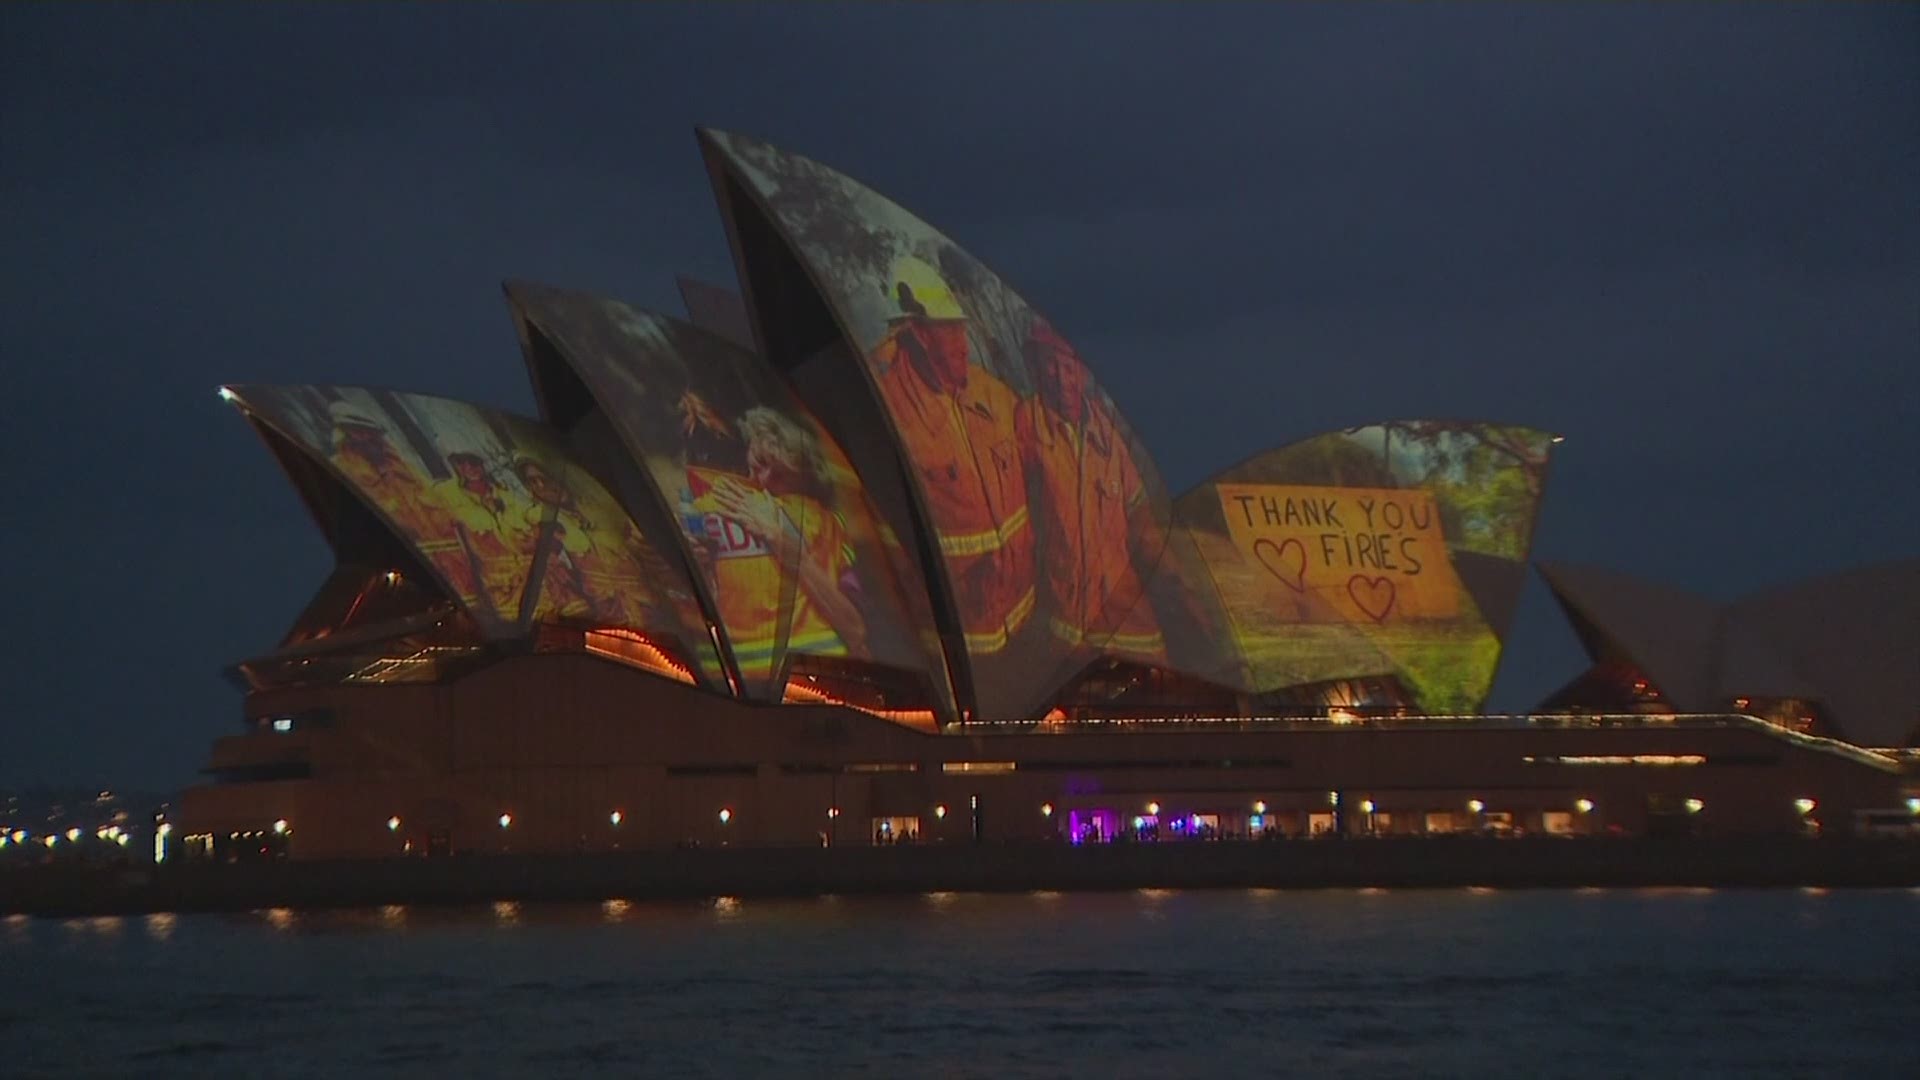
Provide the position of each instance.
(1334, 983)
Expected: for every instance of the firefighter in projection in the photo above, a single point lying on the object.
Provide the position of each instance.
(792, 508)
(776, 552)
(493, 531)
(370, 462)
(592, 569)
(1093, 501)
(955, 420)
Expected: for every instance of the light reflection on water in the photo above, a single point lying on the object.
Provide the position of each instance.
(1148, 983)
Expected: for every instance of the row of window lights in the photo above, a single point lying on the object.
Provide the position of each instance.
(111, 833)
(282, 828)
(1584, 806)
(726, 816)
(1474, 806)
(615, 818)
(939, 811)
(505, 820)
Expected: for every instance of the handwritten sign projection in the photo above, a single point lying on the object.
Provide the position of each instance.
(1361, 555)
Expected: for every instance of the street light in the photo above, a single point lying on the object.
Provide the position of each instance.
(1804, 806)
(506, 820)
(1153, 808)
(1046, 809)
(280, 827)
(1584, 806)
(393, 824)
(1694, 806)
(1475, 806)
(940, 811)
(614, 817)
(726, 815)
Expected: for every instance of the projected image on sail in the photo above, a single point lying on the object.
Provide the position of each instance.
(1047, 511)
(772, 514)
(1395, 549)
(517, 530)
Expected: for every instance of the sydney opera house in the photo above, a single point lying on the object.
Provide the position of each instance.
(864, 554)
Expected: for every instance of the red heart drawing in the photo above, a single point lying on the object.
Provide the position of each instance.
(1372, 595)
(1291, 569)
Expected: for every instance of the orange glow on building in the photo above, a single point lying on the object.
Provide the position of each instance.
(802, 693)
(632, 647)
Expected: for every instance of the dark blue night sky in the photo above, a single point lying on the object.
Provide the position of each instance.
(1686, 237)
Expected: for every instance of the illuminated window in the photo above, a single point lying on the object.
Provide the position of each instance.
(979, 766)
(895, 830)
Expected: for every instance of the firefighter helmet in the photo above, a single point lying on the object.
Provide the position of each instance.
(921, 292)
